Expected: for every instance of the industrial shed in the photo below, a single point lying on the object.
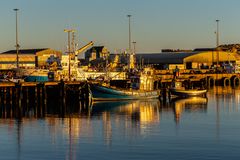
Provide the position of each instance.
(28, 58)
(186, 60)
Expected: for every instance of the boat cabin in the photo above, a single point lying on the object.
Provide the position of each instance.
(177, 85)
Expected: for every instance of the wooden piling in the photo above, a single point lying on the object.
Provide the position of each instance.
(1, 102)
(40, 93)
(62, 100)
(164, 94)
(32, 98)
(36, 100)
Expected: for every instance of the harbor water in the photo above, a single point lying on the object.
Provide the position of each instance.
(191, 128)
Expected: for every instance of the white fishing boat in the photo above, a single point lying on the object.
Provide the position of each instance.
(177, 89)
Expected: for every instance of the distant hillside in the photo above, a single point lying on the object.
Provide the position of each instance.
(230, 48)
(176, 50)
(234, 48)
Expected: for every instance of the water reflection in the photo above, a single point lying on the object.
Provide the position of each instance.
(225, 98)
(117, 123)
(191, 104)
(109, 119)
(224, 91)
(137, 115)
(143, 111)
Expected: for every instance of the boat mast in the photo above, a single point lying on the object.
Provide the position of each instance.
(131, 54)
(129, 41)
(69, 51)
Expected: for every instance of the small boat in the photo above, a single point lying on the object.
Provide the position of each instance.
(104, 93)
(38, 75)
(13, 80)
(11, 77)
(178, 90)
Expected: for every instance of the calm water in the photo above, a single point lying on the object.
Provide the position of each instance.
(196, 128)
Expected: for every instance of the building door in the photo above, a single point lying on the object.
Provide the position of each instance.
(189, 65)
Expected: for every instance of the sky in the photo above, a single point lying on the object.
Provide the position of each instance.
(155, 24)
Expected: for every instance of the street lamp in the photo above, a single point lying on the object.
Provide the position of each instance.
(129, 32)
(134, 53)
(134, 47)
(69, 52)
(17, 45)
(217, 41)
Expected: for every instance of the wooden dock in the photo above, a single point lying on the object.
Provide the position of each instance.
(197, 81)
(60, 98)
(208, 80)
(39, 99)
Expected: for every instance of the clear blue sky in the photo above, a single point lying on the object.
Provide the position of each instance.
(156, 24)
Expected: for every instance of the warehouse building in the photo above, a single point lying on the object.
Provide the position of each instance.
(28, 58)
(198, 58)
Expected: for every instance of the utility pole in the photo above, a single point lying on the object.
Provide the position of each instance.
(17, 45)
(69, 31)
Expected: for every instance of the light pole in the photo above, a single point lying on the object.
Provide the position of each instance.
(217, 41)
(134, 47)
(129, 32)
(134, 53)
(69, 52)
(17, 45)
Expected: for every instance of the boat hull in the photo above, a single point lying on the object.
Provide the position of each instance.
(187, 93)
(33, 78)
(35, 75)
(101, 93)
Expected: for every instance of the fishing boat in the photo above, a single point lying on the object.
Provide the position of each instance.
(177, 89)
(36, 76)
(10, 76)
(50, 73)
(145, 90)
(104, 93)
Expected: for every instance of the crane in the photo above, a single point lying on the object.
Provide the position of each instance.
(80, 50)
(77, 52)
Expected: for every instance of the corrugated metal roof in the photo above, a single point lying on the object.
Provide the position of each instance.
(166, 57)
(13, 58)
(25, 51)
